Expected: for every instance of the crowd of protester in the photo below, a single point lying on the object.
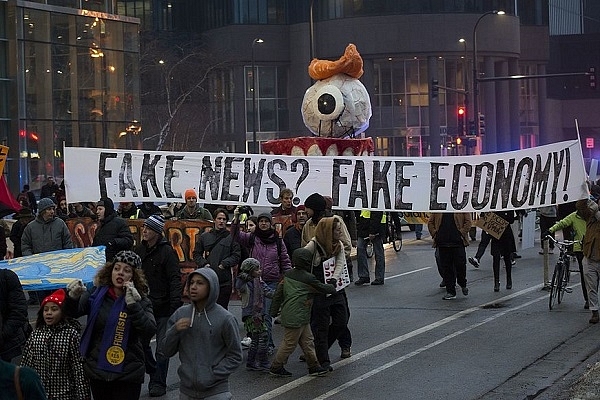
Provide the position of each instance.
(275, 262)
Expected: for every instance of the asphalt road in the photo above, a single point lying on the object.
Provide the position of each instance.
(411, 344)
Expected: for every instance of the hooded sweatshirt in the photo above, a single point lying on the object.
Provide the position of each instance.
(210, 350)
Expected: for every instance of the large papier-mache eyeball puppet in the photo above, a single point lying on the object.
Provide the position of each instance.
(338, 104)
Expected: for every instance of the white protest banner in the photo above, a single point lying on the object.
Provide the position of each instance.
(550, 174)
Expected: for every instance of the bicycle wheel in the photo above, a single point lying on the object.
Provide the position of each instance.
(554, 285)
(563, 283)
(369, 248)
(396, 237)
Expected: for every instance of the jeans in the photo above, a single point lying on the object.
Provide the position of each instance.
(363, 261)
(268, 319)
(159, 377)
(418, 230)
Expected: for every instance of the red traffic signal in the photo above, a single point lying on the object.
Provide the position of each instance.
(461, 111)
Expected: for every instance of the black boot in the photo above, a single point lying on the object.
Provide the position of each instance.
(496, 286)
(508, 266)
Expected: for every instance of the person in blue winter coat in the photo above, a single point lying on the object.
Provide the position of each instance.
(207, 338)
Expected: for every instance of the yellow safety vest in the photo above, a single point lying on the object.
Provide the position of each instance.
(367, 214)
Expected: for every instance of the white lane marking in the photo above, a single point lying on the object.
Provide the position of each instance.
(408, 273)
(392, 342)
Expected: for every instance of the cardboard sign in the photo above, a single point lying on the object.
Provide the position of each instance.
(328, 270)
(492, 224)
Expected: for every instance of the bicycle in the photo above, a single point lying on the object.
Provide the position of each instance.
(393, 230)
(562, 271)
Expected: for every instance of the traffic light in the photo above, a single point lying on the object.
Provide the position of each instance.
(435, 89)
(481, 124)
(461, 115)
(592, 77)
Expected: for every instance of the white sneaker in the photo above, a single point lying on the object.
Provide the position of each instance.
(246, 342)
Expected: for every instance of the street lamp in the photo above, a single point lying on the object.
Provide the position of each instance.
(465, 74)
(254, 144)
(475, 74)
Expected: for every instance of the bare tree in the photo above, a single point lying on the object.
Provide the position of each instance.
(175, 72)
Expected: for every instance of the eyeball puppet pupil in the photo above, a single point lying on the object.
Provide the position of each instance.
(326, 104)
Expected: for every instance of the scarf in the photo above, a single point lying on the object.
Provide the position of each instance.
(111, 355)
(268, 236)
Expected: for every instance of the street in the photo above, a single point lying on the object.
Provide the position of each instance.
(411, 344)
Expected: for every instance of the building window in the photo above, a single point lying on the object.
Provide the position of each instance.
(271, 99)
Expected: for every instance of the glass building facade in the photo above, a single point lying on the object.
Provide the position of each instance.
(397, 75)
(73, 80)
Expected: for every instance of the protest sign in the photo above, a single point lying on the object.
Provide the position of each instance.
(492, 224)
(329, 269)
(544, 175)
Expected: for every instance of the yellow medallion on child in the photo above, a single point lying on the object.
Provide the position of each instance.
(115, 355)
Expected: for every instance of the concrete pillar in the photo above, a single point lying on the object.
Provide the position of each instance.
(488, 108)
(503, 140)
(513, 104)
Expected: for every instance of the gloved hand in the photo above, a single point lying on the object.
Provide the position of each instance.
(131, 294)
(332, 281)
(75, 289)
(246, 277)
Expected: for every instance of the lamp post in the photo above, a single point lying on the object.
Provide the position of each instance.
(465, 74)
(254, 144)
(475, 73)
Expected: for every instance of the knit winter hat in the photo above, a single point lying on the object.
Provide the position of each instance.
(57, 297)
(156, 223)
(249, 265)
(190, 193)
(45, 203)
(315, 202)
(128, 257)
(267, 216)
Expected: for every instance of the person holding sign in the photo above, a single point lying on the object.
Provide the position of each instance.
(119, 321)
(329, 317)
(450, 234)
(503, 246)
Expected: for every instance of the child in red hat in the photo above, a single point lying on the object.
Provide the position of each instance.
(52, 351)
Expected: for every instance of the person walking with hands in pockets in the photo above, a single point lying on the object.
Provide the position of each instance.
(119, 321)
(207, 338)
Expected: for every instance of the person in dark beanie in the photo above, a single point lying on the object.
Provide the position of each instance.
(217, 249)
(161, 268)
(46, 232)
(315, 206)
(113, 231)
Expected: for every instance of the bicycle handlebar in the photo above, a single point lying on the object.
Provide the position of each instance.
(564, 243)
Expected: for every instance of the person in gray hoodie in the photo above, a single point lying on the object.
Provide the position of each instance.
(207, 338)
